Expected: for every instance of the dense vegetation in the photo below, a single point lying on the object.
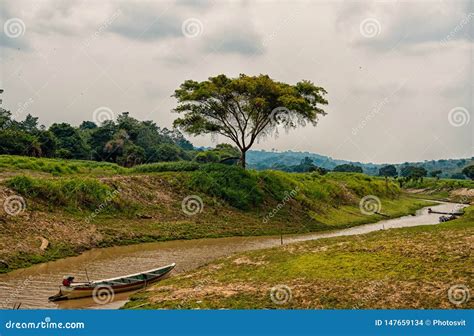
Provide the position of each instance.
(443, 189)
(469, 172)
(262, 160)
(58, 166)
(348, 168)
(96, 204)
(125, 141)
(75, 193)
(129, 142)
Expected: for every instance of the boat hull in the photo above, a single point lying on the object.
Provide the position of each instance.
(103, 287)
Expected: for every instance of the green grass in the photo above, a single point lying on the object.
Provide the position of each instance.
(446, 184)
(245, 189)
(57, 167)
(231, 184)
(350, 215)
(148, 206)
(166, 166)
(443, 189)
(401, 268)
(61, 167)
(77, 192)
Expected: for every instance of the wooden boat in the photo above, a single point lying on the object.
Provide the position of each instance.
(111, 286)
(444, 219)
(445, 213)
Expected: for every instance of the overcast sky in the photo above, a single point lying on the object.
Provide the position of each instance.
(399, 75)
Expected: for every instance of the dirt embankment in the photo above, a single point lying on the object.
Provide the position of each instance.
(463, 192)
(54, 217)
(461, 195)
(32, 230)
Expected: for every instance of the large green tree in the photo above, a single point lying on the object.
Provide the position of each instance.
(246, 108)
(469, 171)
(436, 173)
(70, 143)
(413, 173)
(388, 171)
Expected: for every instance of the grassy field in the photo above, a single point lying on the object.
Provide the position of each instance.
(57, 167)
(447, 189)
(104, 205)
(400, 268)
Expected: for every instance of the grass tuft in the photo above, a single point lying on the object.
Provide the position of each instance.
(82, 193)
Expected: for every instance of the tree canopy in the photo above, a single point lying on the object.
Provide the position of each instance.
(469, 171)
(436, 173)
(413, 172)
(348, 168)
(126, 141)
(246, 108)
(388, 171)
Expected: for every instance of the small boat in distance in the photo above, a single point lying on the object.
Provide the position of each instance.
(75, 290)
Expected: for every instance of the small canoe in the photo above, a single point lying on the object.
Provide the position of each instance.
(111, 286)
(444, 219)
(445, 213)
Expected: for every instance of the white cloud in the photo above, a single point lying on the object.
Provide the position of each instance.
(77, 56)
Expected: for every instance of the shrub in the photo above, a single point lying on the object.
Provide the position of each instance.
(233, 184)
(207, 157)
(58, 166)
(166, 167)
(277, 184)
(76, 192)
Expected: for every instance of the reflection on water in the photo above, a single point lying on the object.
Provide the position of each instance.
(32, 286)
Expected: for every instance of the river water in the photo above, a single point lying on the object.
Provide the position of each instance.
(33, 285)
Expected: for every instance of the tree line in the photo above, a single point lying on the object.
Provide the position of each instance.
(126, 141)
(243, 109)
(417, 173)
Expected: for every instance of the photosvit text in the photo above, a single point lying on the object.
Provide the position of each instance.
(416, 323)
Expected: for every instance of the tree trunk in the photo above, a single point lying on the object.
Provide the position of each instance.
(242, 159)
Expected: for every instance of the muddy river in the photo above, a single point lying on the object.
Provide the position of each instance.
(32, 286)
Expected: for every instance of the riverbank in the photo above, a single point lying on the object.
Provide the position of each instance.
(449, 190)
(69, 207)
(392, 269)
(110, 262)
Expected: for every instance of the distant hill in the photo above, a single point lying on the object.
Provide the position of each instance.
(280, 160)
